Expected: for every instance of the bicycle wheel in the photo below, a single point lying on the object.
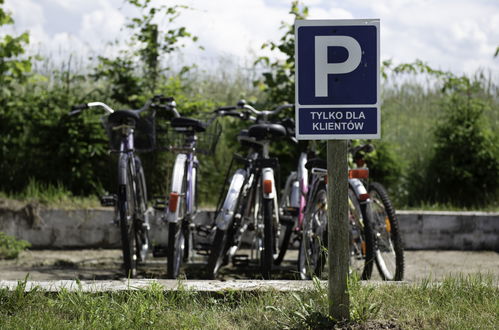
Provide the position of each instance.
(177, 236)
(217, 254)
(389, 252)
(126, 207)
(176, 249)
(292, 187)
(142, 221)
(312, 255)
(361, 237)
(267, 255)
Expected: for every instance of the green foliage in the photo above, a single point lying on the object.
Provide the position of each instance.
(279, 81)
(444, 129)
(465, 155)
(137, 71)
(12, 68)
(10, 246)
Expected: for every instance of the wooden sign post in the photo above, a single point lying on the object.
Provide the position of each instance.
(338, 247)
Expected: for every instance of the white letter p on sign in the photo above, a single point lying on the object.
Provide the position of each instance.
(323, 68)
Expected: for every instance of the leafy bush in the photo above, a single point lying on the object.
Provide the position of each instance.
(10, 246)
(465, 159)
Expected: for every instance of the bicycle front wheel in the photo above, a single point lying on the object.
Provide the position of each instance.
(313, 246)
(176, 250)
(217, 254)
(142, 221)
(389, 252)
(361, 237)
(126, 207)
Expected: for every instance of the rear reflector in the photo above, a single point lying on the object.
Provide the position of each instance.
(364, 197)
(267, 186)
(173, 202)
(358, 173)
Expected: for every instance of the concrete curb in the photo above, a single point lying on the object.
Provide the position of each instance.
(175, 285)
(93, 228)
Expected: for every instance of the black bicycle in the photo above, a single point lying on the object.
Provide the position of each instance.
(389, 252)
(250, 206)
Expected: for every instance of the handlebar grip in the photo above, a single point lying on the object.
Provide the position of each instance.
(79, 107)
(226, 108)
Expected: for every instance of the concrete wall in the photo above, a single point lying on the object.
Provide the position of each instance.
(51, 228)
(449, 230)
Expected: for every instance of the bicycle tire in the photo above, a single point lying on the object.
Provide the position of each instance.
(312, 255)
(284, 244)
(176, 245)
(141, 226)
(217, 254)
(288, 231)
(389, 263)
(361, 237)
(267, 257)
(175, 251)
(126, 200)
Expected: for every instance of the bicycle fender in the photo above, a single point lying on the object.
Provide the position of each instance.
(268, 188)
(177, 182)
(358, 187)
(226, 214)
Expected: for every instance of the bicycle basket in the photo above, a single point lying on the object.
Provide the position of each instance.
(169, 138)
(144, 134)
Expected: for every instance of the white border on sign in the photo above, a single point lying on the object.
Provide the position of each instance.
(341, 22)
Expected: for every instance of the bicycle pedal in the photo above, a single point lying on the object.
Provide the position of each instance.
(108, 200)
(291, 211)
(240, 260)
(159, 251)
(204, 231)
(160, 203)
(287, 220)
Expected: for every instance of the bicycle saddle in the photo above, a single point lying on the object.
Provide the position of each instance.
(266, 131)
(247, 141)
(316, 163)
(121, 115)
(184, 122)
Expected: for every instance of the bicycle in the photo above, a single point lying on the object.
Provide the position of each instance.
(129, 131)
(250, 204)
(313, 244)
(181, 205)
(389, 252)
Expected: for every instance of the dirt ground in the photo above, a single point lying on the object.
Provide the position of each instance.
(106, 264)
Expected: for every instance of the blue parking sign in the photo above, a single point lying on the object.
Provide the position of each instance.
(337, 79)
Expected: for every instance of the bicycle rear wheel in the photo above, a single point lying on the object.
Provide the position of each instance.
(267, 255)
(389, 252)
(361, 237)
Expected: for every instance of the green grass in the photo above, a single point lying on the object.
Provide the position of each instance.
(455, 303)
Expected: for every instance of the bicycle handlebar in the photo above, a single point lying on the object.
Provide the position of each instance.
(230, 111)
(170, 105)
